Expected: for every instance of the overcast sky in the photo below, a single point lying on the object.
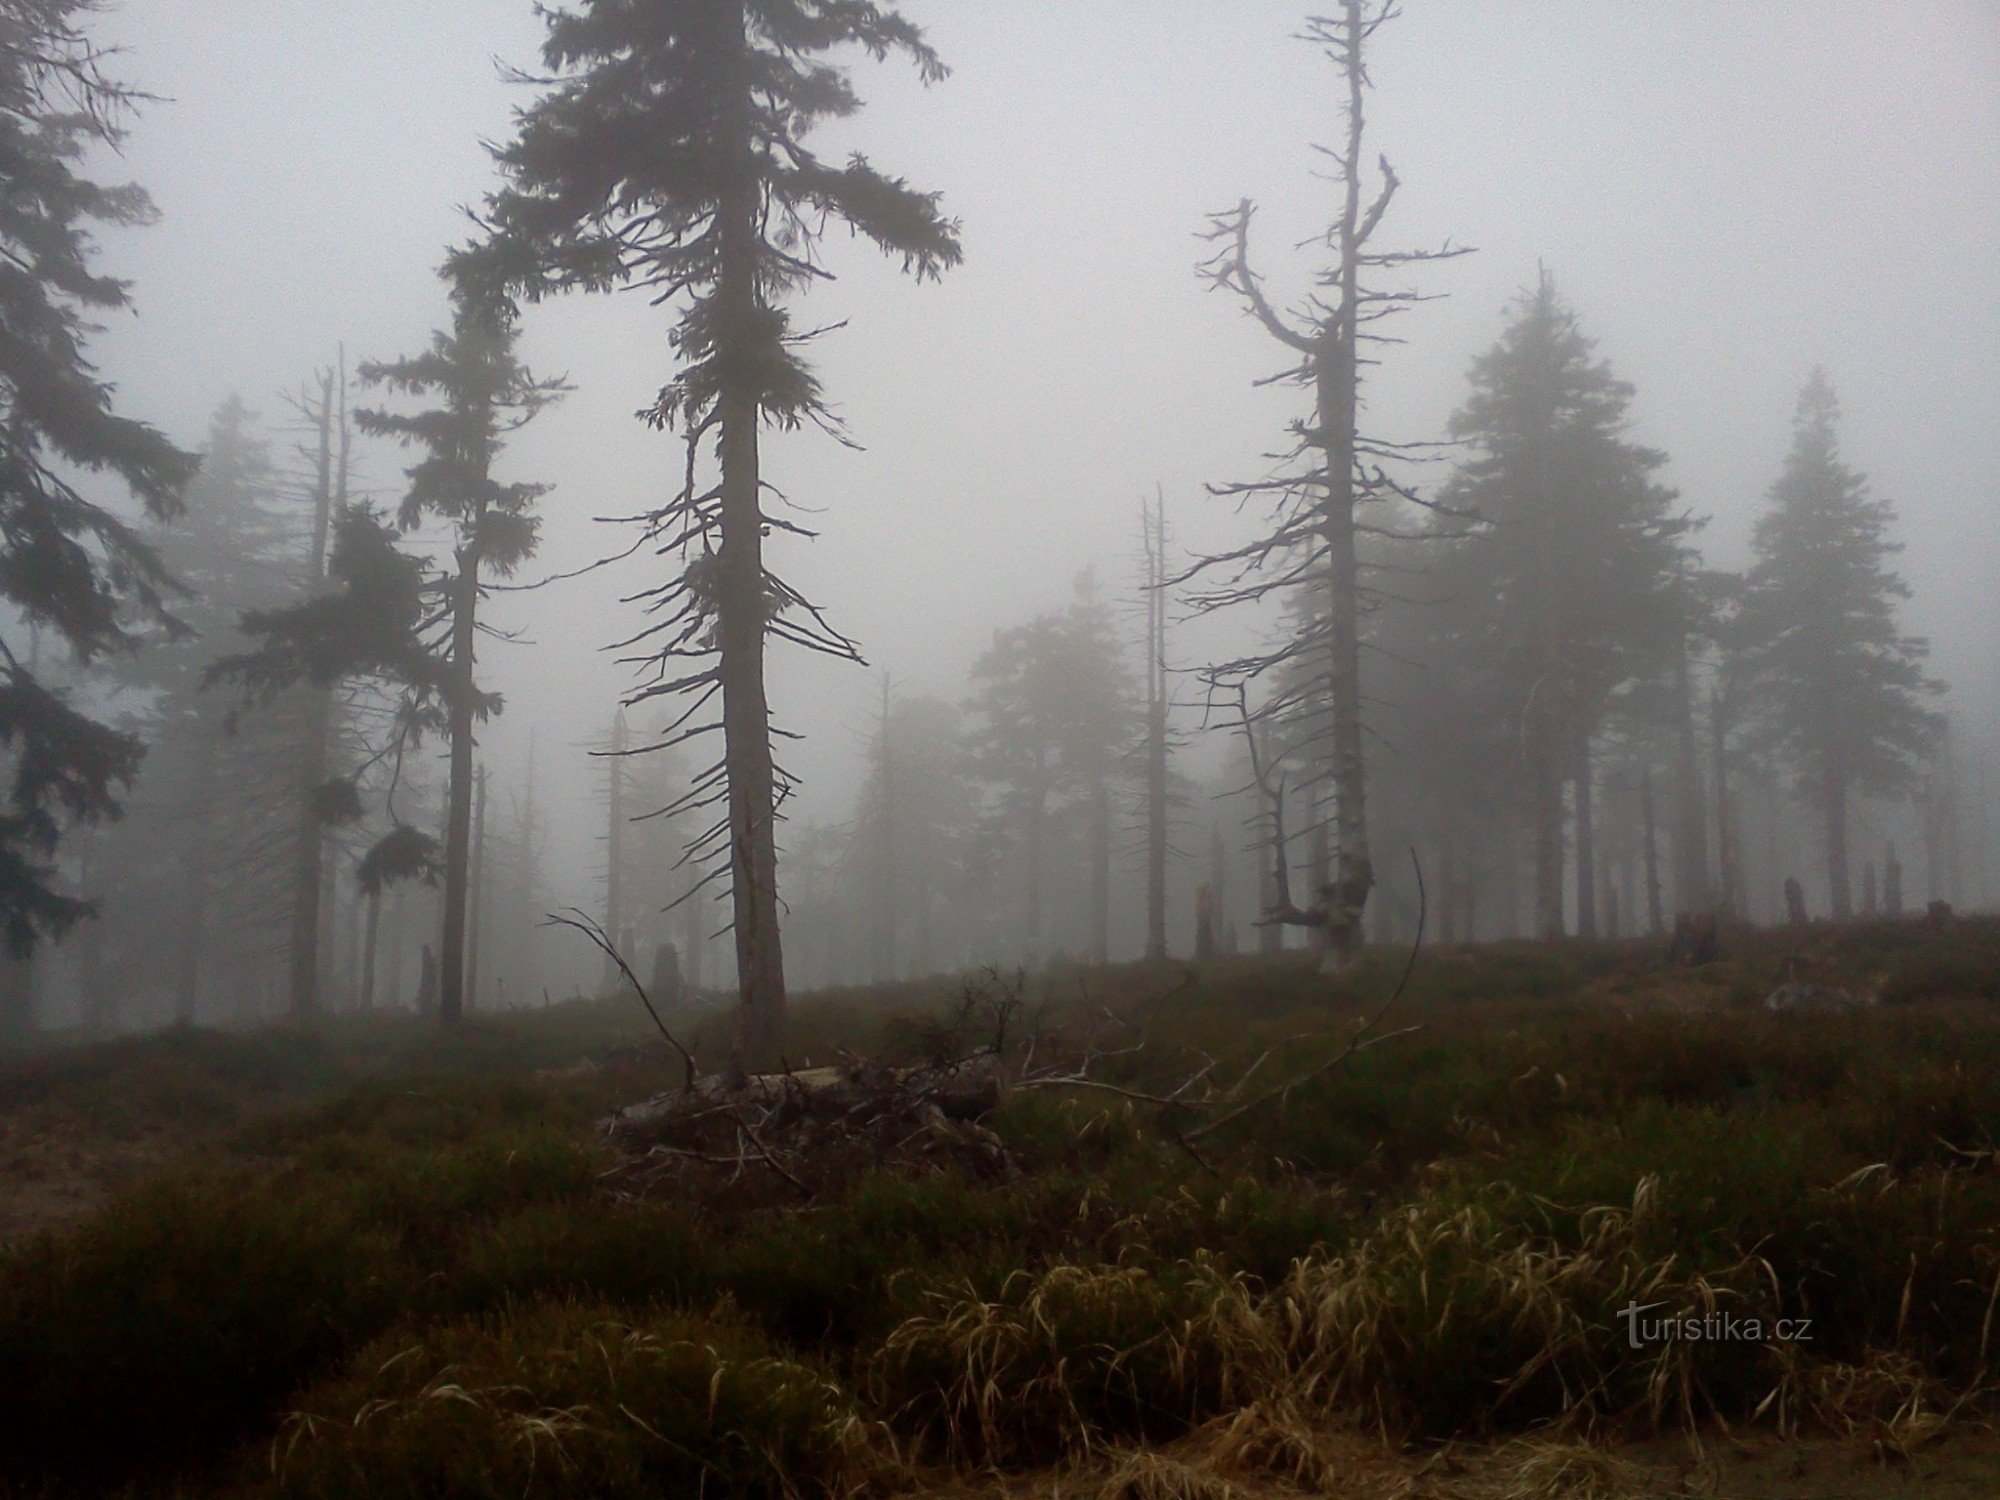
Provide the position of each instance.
(1728, 193)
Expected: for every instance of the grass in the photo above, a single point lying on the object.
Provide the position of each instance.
(386, 1263)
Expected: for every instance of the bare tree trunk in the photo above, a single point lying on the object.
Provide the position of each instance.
(310, 836)
(1156, 731)
(399, 915)
(1336, 374)
(1728, 866)
(475, 887)
(1100, 869)
(1692, 890)
(1586, 844)
(458, 813)
(1032, 915)
(369, 949)
(1655, 916)
(742, 604)
(1548, 814)
(1319, 877)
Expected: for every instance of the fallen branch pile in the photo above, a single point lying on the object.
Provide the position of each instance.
(783, 1139)
(777, 1137)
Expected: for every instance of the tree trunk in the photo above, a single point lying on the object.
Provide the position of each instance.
(1728, 859)
(1586, 845)
(1156, 734)
(368, 950)
(1100, 870)
(1692, 891)
(1031, 936)
(741, 605)
(1336, 383)
(1548, 848)
(458, 814)
(193, 935)
(475, 883)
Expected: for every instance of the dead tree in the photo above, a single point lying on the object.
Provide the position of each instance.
(326, 414)
(1312, 543)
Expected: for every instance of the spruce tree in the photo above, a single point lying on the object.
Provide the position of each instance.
(68, 564)
(484, 393)
(668, 152)
(1577, 568)
(1840, 688)
(1057, 722)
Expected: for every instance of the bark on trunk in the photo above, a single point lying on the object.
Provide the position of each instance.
(475, 882)
(741, 607)
(458, 814)
(1336, 385)
(369, 949)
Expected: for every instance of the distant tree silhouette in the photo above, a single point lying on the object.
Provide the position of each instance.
(1576, 569)
(668, 153)
(1840, 688)
(1055, 718)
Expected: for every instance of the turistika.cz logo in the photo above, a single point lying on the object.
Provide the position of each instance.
(1716, 1327)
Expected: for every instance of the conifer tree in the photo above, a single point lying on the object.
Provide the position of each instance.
(485, 393)
(1310, 550)
(1577, 569)
(1057, 718)
(68, 565)
(1840, 687)
(668, 152)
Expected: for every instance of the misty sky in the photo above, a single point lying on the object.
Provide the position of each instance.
(1728, 193)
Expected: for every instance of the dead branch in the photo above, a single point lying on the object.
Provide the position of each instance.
(584, 923)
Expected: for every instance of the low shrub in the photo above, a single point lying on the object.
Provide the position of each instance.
(574, 1399)
(1073, 1357)
(175, 1322)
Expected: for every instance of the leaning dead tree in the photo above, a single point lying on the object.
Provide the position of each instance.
(1308, 554)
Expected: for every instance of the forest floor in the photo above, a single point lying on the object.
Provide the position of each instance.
(1242, 1233)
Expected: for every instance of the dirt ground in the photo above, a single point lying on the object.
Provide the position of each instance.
(54, 1170)
(1757, 1466)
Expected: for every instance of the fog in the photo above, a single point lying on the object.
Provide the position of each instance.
(1727, 195)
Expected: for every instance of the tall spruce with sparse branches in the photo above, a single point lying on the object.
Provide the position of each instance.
(1310, 552)
(1840, 688)
(667, 152)
(484, 393)
(68, 565)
